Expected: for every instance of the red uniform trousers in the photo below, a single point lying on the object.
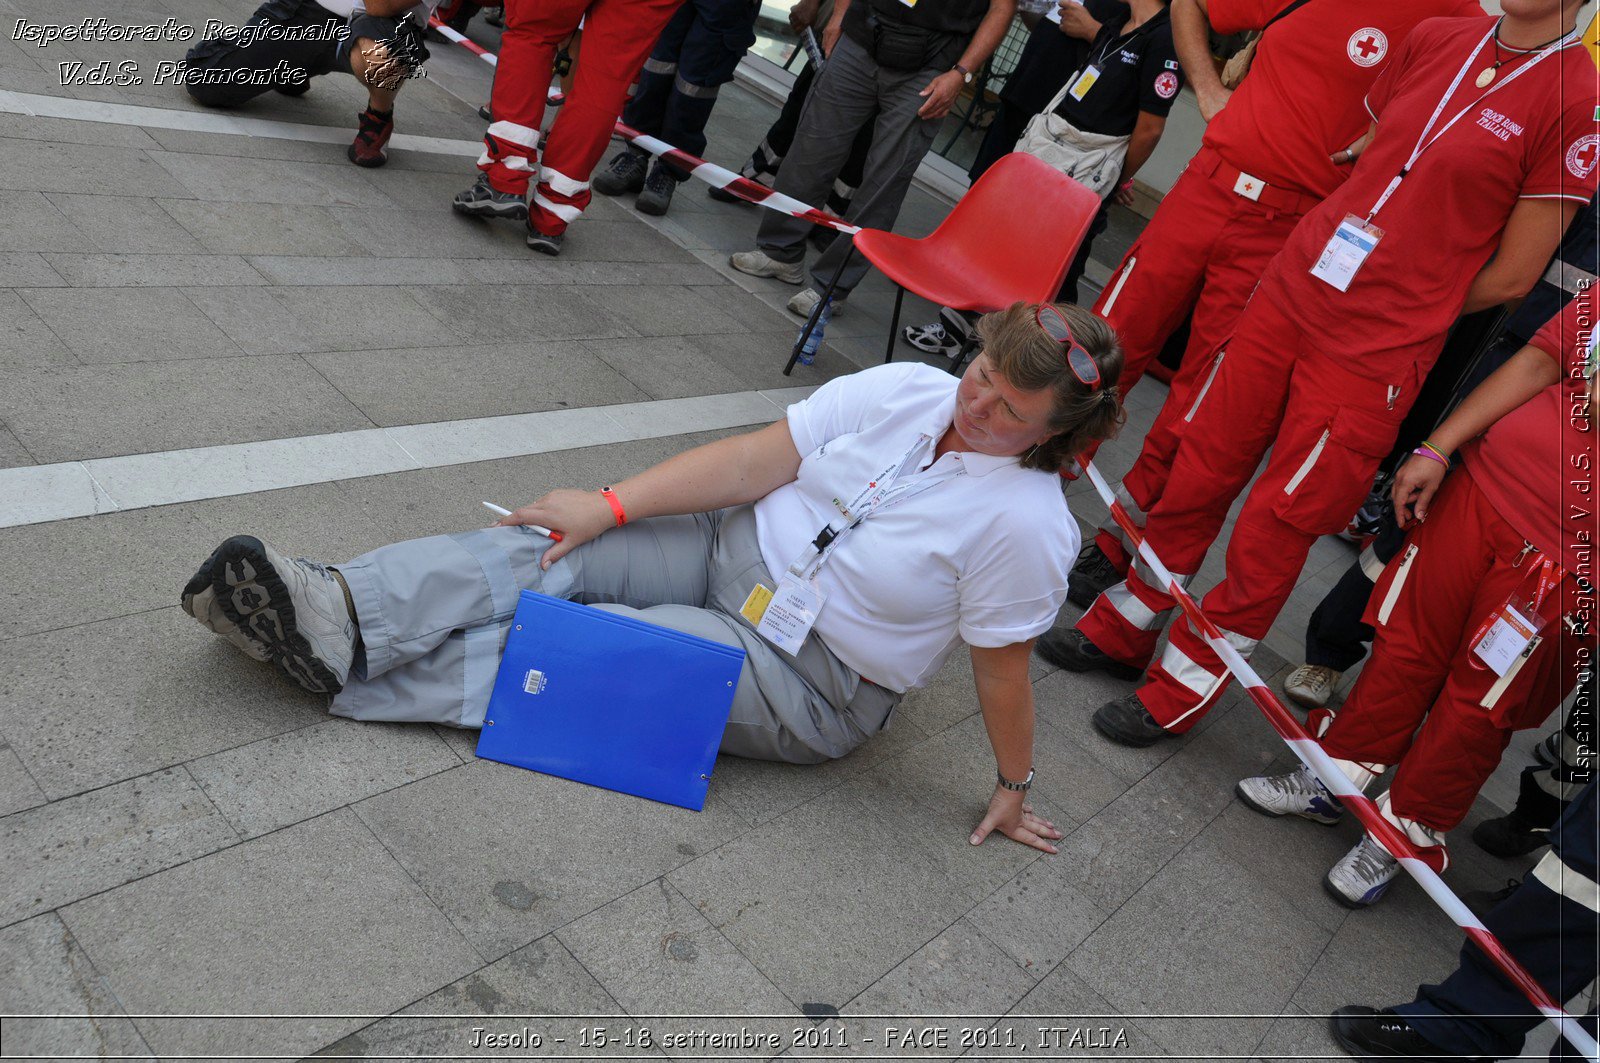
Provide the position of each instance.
(617, 36)
(1203, 251)
(1327, 426)
(1455, 571)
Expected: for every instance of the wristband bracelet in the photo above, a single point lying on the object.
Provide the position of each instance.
(1436, 450)
(616, 506)
(1428, 452)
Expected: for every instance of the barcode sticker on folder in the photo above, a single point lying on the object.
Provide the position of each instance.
(533, 682)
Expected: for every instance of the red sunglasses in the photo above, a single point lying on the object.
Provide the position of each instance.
(1079, 360)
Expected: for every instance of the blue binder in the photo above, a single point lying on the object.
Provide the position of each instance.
(610, 701)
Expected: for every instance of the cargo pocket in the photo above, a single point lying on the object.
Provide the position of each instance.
(1113, 289)
(1330, 481)
(1397, 583)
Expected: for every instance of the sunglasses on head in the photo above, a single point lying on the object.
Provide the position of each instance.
(1079, 360)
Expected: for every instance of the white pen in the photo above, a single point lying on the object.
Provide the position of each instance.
(554, 536)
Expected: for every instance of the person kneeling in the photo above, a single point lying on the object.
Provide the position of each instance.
(288, 42)
(922, 510)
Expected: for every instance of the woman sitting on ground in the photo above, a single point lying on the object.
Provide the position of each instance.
(956, 531)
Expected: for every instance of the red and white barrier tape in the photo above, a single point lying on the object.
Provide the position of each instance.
(1366, 810)
(712, 174)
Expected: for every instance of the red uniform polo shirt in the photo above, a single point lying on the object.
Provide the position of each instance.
(1302, 99)
(1537, 463)
(1536, 137)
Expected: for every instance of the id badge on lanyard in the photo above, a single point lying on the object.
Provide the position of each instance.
(1351, 243)
(1084, 82)
(1513, 630)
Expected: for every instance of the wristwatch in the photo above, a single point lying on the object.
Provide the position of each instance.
(1018, 786)
(966, 75)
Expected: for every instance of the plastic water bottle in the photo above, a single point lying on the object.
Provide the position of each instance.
(808, 353)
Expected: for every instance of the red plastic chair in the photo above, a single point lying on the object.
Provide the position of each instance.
(1012, 237)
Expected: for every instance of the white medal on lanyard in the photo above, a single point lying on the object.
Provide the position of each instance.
(1356, 238)
(792, 612)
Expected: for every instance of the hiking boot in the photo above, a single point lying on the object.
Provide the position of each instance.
(757, 264)
(1482, 902)
(805, 301)
(623, 174)
(1126, 723)
(199, 600)
(1362, 875)
(1093, 574)
(295, 88)
(1297, 793)
(482, 200)
(1368, 1033)
(722, 195)
(1071, 649)
(546, 244)
(369, 147)
(1311, 686)
(656, 196)
(1509, 837)
(931, 339)
(294, 609)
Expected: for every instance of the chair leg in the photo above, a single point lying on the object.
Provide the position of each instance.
(894, 324)
(960, 357)
(816, 312)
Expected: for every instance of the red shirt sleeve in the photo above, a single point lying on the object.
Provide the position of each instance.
(1384, 88)
(1566, 156)
(1236, 16)
(1566, 337)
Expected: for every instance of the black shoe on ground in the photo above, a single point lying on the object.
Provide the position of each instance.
(1509, 837)
(1368, 1033)
(1126, 722)
(371, 145)
(483, 201)
(1091, 576)
(1071, 649)
(1482, 902)
(485, 114)
(722, 195)
(624, 173)
(299, 88)
(656, 195)
(544, 243)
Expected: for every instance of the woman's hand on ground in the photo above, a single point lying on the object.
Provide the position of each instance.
(578, 515)
(1414, 487)
(1011, 815)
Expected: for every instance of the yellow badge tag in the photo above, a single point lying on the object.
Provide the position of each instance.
(755, 606)
(1080, 88)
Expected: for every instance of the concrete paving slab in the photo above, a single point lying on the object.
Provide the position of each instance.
(316, 919)
(154, 271)
(124, 224)
(52, 492)
(393, 387)
(1201, 909)
(30, 222)
(64, 131)
(27, 269)
(229, 228)
(25, 338)
(538, 979)
(386, 233)
(300, 268)
(17, 788)
(103, 702)
(84, 845)
(1297, 1035)
(55, 167)
(1038, 918)
(959, 975)
(824, 899)
(300, 774)
(281, 320)
(548, 850)
(130, 324)
(741, 408)
(486, 438)
(1066, 1015)
(223, 179)
(657, 956)
(192, 142)
(520, 315)
(43, 971)
(69, 413)
(667, 310)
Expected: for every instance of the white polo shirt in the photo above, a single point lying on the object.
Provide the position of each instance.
(982, 557)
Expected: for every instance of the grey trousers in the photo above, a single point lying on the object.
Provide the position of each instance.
(434, 614)
(851, 87)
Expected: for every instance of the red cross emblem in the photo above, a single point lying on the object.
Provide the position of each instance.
(1582, 156)
(1367, 46)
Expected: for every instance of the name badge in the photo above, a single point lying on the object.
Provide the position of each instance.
(1080, 88)
(1347, 249)
(791, 614)
(1507, 638)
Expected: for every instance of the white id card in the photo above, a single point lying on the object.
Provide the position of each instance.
(1080, 88)
(791, 613)
(1347, 249)
(1506, 639)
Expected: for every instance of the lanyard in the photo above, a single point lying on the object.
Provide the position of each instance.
(1550, 576)
(1424, 142)
(881, 492)
(1119, 39)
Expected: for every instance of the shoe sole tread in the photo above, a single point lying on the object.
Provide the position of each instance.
(243, 566)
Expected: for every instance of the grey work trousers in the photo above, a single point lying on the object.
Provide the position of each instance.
(850, 90)
(434, 614)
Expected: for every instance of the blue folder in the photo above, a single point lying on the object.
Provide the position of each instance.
(610, 701)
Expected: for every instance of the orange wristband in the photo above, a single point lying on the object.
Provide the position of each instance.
(616, 507)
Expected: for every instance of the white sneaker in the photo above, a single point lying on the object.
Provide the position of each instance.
(1298, 793)
(757, 264)
(1362, 875)
(805, 301)
(294, 610)
(1311, 686)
